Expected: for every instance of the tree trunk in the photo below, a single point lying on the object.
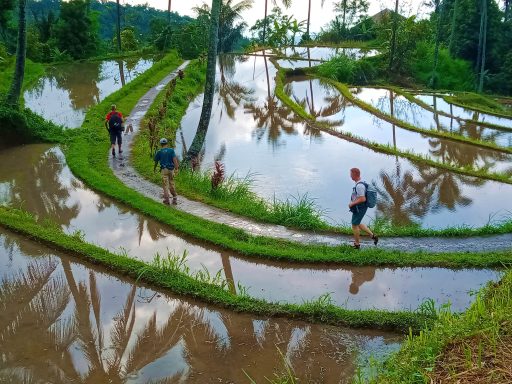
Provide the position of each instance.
(393, 36)
(13, 97)
(484, 46)
(209, 89)
(309, 19)
(344, 16)
(438, 10)
(118, 26)
(453, 27)
(169, 12)
(265, 22)
(507, 10)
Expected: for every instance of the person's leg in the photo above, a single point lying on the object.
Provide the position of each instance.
(357, 235)
(172, 187)
(366, 229)
(165, 184)
(120, 140)
(112, 143)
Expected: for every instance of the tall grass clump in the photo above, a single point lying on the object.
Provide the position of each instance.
(347, 70)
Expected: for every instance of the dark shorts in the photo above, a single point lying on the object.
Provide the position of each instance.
(358, 214)
(116, 136)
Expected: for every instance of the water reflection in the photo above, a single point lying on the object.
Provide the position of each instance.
(440, 104)
(319, 53)
(67, 91)
(289, 157)
(89, 326)
(115, 227)
(420, 117)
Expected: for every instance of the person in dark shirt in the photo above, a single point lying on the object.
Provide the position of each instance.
(168, 165)
(114, 122)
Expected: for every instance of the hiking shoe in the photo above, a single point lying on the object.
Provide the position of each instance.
(113, 153)
(174, 201)
(166, 202)
(356, 246)
(375, 239)
(120, 151)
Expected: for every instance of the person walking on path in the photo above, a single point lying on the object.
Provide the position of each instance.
(114, 123)
(358, 207)
(168, 165)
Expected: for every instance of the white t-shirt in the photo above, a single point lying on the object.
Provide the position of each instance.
(358, 190)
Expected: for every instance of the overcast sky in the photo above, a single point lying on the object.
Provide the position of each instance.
(319, 16)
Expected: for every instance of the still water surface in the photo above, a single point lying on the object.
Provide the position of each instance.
(67, 91)
(251, 132)
(43, 185)
(91, 326)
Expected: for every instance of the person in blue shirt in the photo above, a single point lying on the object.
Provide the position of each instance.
(169, 164)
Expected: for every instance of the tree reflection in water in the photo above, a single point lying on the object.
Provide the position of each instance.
(39, 189)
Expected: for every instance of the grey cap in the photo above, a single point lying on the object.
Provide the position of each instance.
(163, 141)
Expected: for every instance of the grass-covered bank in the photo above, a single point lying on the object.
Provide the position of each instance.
(33, 71)
(87, 155)
(473, 347)
(233, 195)
(478, 103)
(168, 275)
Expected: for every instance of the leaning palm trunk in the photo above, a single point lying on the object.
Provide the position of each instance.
(19, 72)
(433, 79)
(118, 26)
(209, 88)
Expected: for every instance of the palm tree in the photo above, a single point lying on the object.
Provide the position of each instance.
(169, 12)
(286, 3)
(21, 53)
(118, 26)
(206, 111)
(231, 93)
(309, 16)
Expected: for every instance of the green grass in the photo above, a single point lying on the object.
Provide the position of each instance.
(170, 274)
(33, 72)
(487, 322)
(480, 103)
(469, 171)
(87, 155)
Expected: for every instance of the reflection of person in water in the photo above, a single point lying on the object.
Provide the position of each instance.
(360, 276)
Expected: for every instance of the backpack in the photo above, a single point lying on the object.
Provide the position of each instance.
(115, 122)
(370, 194)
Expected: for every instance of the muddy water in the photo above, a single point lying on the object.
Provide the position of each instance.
(412, 113)
(43, 185)
(440, 104)
(92, 326)
(288, 158)
(67, 91)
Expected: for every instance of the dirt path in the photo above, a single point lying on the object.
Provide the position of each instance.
(127, 174)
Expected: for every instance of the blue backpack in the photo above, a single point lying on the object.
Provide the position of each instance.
(370, 194)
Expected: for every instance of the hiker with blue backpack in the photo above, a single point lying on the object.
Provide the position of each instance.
(364, 196)
(114, 123)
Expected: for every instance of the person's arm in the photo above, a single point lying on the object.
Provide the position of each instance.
(106, 122)
(176, 163)
(359, 200)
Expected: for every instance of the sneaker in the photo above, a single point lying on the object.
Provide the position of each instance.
(120, 151)
(113, 153)
(166, 202)
(356, 246)
(174, 201)
(375, 239)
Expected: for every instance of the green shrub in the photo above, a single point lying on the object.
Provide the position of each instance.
(347, 70)
(455, 74)
(24, 126)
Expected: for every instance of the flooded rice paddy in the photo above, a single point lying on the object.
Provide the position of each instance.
(44, 186)
(64, 321)
(253, 133)
(319, 53)
(400, 107)
(440, 104)
(67, 91)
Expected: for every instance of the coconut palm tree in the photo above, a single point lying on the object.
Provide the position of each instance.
(309, 16)
(13, 96)
(204, 121)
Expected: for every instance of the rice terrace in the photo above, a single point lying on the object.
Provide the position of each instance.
(254, 191)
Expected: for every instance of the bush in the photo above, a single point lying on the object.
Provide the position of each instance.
(455, 74)
(347, 70)
(24, 126)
